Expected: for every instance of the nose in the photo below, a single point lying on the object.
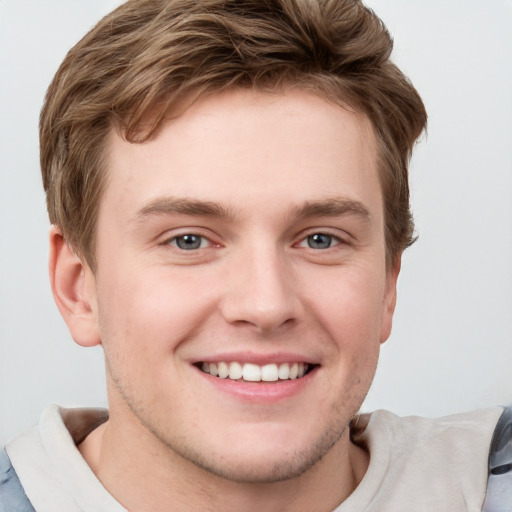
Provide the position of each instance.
(261, 291)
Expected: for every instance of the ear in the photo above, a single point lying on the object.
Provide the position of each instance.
(389, 301)
(74, 290)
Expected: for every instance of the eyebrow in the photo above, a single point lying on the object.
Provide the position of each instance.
(332, 208)
(183, 206)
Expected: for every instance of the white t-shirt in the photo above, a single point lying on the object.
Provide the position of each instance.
(423, 465)
(416, 464)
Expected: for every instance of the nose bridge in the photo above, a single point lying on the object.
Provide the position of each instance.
(262, 288)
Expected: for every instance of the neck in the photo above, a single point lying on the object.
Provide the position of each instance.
(160, 479)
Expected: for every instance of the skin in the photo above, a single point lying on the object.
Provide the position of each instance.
(278, 170)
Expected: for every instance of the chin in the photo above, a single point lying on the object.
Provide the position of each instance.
(254, 462)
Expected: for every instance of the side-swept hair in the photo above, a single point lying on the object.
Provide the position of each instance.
(150, 59)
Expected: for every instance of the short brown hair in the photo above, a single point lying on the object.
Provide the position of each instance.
(150, 58)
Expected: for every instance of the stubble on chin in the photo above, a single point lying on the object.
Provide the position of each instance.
(291, 466)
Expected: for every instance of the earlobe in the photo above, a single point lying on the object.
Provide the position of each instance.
(74, 291)
(389, 302)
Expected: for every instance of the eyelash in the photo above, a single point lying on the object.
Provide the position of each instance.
(174, 241)
(333, 240)
(205, 242)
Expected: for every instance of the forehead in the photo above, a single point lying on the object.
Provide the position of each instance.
(242, 146)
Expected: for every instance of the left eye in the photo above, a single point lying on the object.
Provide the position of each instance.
(320, 241)
(189, 242)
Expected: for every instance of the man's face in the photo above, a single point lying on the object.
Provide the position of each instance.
(247, 236)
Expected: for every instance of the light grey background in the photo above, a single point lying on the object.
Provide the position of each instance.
(451, 348)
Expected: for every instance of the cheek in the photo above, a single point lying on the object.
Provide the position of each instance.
(351, 305)
(150, 312)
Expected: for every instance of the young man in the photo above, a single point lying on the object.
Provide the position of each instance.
(227, 183)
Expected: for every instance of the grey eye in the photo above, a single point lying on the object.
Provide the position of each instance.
(319, 241)
(188, 242)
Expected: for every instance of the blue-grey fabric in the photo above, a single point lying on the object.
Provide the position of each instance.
(499, 485)
(12, 495)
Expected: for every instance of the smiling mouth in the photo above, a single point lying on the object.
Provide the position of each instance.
(249, 372)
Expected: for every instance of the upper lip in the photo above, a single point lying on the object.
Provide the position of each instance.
(257, 358)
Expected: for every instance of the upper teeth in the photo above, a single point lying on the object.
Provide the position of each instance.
(255, 373)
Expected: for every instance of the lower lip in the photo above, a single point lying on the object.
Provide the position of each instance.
(262, 392)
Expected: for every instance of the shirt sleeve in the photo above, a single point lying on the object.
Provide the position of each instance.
(12, 495)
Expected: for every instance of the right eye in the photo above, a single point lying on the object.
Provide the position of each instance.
(189, 242)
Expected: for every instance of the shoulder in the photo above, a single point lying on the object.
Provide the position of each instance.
(451, 453)
(454, 430)
(50, 468)
(12, 495)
